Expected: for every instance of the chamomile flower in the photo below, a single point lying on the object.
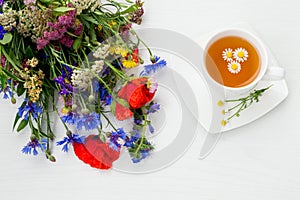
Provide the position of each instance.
(234, 67)
(240, 54)
(227, 55)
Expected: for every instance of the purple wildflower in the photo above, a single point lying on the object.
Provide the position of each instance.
(130, 141)
(143, 154)
(151, 129)
(65, 81)
(67, 41)
(41, 43)
(78, 29)
(3, 61)
(1, 2)
(58, 31)
(153, 108)
(29, 2)
(114, 137)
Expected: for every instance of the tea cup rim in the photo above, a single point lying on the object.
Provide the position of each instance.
(254, 40)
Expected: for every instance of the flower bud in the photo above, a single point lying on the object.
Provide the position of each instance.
(52, 158)
(32, 137)
(152, 59)
(13, 100)
(74, 107)
(85, 111)
(69, 133)
(91, 99)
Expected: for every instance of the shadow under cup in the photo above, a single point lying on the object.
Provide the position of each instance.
(235, 59)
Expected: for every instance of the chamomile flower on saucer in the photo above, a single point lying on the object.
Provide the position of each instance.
(240, 54)
(227, 55)
(234, 67)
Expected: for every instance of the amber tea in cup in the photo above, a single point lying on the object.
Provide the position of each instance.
(232, 61)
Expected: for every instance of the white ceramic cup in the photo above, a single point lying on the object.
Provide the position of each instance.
(266, 71)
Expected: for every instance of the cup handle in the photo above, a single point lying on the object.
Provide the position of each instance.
(274, 74)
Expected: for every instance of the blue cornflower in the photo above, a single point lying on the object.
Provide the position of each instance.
(29, 108)
(2, 32)
(153, 108)
(6, 92)
(89, 121)
(33, 145)
(105, 96)
(152, 68)
(69, 140)
(71, 118)
(114, 137)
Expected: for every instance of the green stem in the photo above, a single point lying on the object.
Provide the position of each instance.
(143, 134)
(116, 71)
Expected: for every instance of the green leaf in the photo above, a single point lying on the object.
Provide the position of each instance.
(29, 53)
(45, 1)
(93, 36)
(90, 19)
(130, 9)
(123, 102)
(6, 38)
(9, 59)
(44, 134)
(63, 9)
(11, 75)
(113, 107)
(77, 44)
(85, 23)
(20, 89)
(22, 125)
(3, 81)
(16, 121)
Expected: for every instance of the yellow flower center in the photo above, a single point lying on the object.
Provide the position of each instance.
(229, 54)
(240, 54)
(223, 122)
(234, 66)
(220, 103)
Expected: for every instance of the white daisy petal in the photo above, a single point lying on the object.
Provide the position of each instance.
(240, 54)
(234, 67)
(227, 55)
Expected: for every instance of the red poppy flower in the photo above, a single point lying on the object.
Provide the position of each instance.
(136, 93)
(96, 153)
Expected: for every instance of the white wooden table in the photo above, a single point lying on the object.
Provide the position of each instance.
(258, 161)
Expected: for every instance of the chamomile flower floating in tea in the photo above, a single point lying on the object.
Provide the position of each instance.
(240, 54)
(227, 55)
(234, 67)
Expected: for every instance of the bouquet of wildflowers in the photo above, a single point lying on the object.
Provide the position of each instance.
(80, 52)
